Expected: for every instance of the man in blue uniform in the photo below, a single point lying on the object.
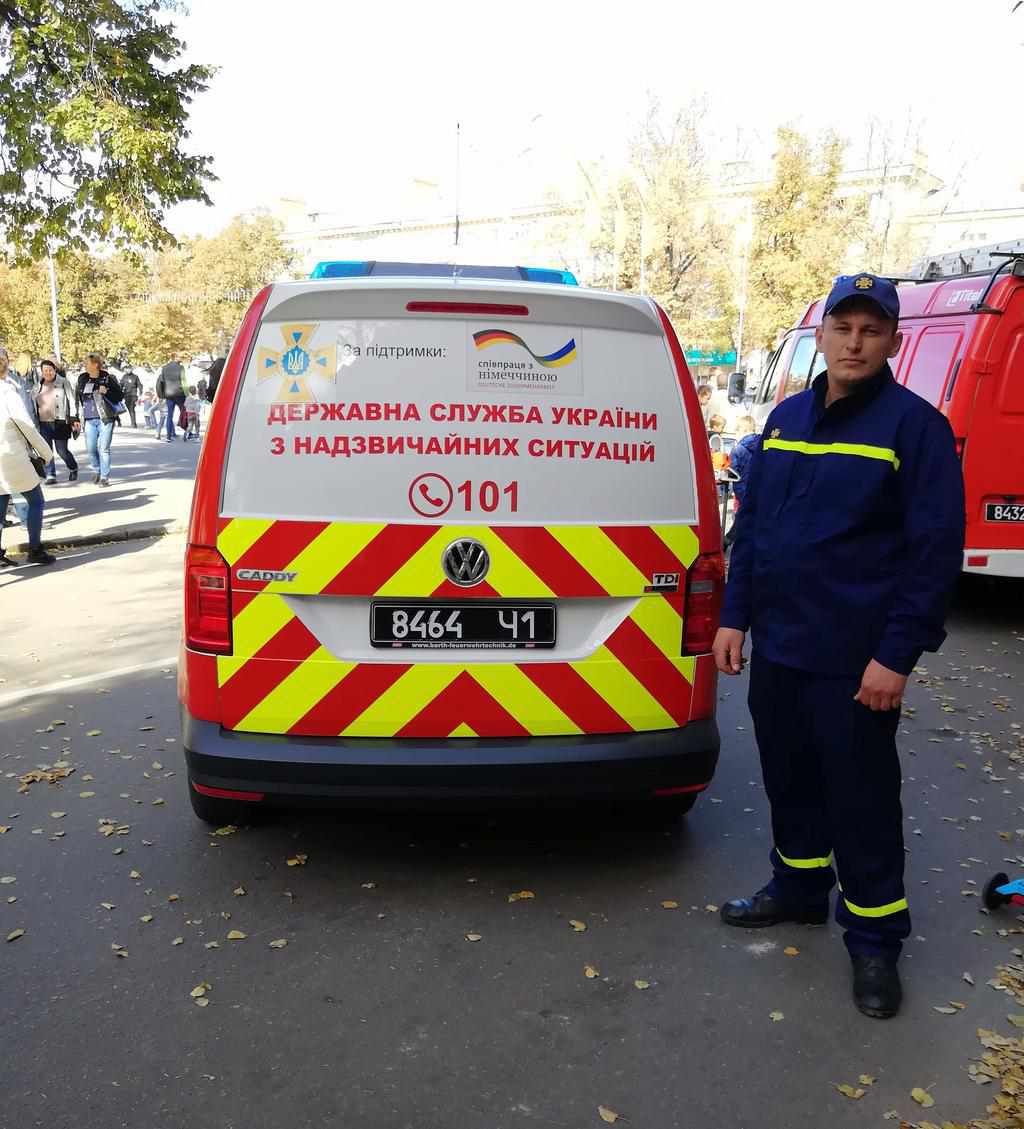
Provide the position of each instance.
(848, 544)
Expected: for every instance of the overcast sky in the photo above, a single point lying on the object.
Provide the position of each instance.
(343, 104)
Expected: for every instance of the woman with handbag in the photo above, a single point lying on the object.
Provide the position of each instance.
(100, 402)
(58, 418)
(23, 455)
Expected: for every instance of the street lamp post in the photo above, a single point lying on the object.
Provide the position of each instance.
(53, 308)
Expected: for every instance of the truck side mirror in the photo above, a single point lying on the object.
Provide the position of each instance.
(737, 387)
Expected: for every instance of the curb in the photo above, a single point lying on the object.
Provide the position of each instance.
(107, 537)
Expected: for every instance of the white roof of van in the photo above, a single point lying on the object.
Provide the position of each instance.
(313, 298)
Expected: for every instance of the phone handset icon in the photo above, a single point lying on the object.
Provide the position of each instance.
(431, 495)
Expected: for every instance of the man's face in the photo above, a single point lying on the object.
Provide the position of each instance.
(856, 341)
(92, 367)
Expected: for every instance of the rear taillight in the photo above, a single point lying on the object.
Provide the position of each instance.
(705, 586)
(207, 601)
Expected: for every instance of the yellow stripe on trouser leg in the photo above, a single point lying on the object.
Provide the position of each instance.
(876, 911)
(805, 864)
(253, 628)
(297, 694)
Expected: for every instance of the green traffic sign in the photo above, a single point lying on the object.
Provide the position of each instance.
(711, 357)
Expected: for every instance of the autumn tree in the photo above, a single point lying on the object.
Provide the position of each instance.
(804, 228)
(94, 124)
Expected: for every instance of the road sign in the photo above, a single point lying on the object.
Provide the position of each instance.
(711, 357)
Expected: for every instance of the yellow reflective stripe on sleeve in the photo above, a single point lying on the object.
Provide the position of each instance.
(240, 534)
(876, 911)
(861, 450)
(805, 864)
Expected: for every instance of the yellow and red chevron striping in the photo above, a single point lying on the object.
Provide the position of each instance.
(280, 679)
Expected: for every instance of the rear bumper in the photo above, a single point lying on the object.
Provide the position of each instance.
(353, 770)
(995, 562)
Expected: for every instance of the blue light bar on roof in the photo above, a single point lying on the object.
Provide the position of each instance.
(353, 268)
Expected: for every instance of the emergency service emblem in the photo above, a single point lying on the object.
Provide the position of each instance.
(864, 283)
(776, 432)
(296, 362)
(465, 562)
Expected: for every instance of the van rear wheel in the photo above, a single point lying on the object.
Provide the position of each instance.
(217, 811)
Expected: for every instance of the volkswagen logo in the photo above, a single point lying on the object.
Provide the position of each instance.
(465, 562)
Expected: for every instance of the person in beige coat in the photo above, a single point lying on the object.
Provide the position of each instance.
(19, 442)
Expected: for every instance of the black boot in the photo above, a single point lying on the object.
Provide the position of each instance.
(40, 557)
(5, 560)
(764, 908)
(876, 985)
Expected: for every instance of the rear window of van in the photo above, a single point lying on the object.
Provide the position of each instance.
(445, 421)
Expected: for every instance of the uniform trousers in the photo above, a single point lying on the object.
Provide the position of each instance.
(832, 775)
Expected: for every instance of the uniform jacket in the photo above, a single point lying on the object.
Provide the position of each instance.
(850, 536)
(131, 386)
(104, 403)
(17, 475)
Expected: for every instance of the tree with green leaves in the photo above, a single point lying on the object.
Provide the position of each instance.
(94, 124)
(804, 229)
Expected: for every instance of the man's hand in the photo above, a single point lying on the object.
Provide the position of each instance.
(881, 688)
(728, 650)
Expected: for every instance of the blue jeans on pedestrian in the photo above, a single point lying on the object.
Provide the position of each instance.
(33, 517)
(47, 430)
(170, 406)
(97, 442)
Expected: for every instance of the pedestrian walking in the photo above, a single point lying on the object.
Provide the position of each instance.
(131, 389)
(99, 398)
(23, 453)
(704, 394)
(191, 410)
(57, 413)
(848, 544)
(170, 387)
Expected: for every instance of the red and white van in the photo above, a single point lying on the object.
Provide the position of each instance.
(451, 538)
(963, 351)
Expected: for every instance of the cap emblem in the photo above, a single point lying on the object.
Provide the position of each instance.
(864, 283)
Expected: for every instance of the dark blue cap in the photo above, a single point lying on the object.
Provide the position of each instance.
(878, 290)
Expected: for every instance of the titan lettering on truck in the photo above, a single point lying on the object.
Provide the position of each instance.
(453, 538)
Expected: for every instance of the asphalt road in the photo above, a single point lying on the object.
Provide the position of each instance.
(378, 1011)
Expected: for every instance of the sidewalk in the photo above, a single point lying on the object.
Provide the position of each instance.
(149, 495)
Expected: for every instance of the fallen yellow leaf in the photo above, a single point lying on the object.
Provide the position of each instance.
(578, 926)
(172, 897)
(280, 943)
(521, 895)
(146, 918)
(58, 814)
(922, 1097)
(15, 934)
(866, 1080)
(641, 984)
(849, 1091)
(178, 941)
(590, 972)
(607, 1115)
(200, 990)
(86, 795)
(239, 891)
(108, 905)
(669, 904)
(134, 874)
(227, 829)
(93, 732)
(237, 935)
(202, 1002)
(8, 880)
(776, 1016)
(474, 937)
(791, 951)
(710, 908)
(298, 860)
